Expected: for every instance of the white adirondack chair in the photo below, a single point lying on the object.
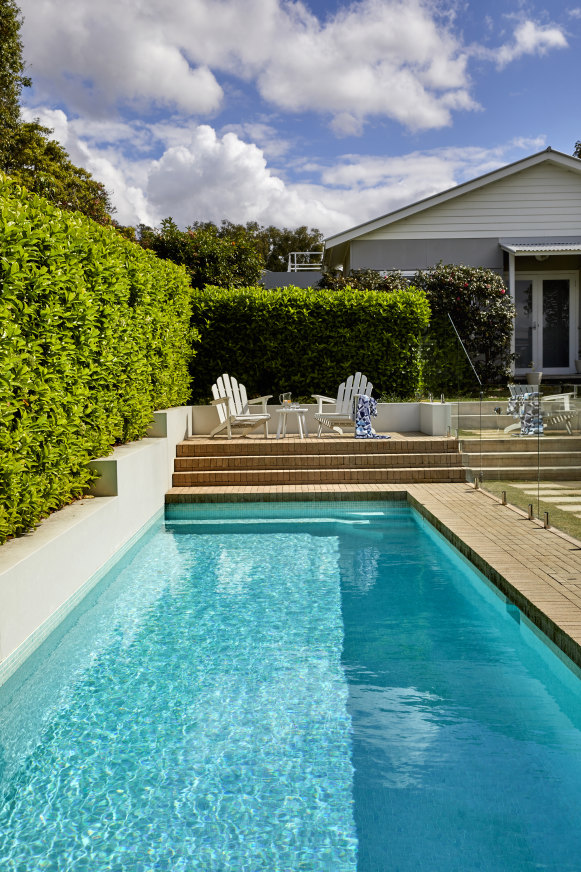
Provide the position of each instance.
(555, 409)
(344, 413)
(234, 413)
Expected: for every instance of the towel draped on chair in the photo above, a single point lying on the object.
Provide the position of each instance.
(365, 409)
(527, 407)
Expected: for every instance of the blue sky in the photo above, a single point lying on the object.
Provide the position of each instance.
(289, 113)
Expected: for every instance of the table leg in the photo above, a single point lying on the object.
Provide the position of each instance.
(280, 417)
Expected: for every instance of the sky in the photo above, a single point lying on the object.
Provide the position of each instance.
(315, 113)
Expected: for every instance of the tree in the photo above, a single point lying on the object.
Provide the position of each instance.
(577, 152)
(27, 153)
(12, 78)
(44, 167)
(274, 243)
(277, 243)
(227, 257)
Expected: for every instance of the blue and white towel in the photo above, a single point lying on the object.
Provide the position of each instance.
(527, 407)
(366, 408)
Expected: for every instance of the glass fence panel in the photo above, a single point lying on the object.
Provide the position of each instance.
(521, 442)
(533, 457)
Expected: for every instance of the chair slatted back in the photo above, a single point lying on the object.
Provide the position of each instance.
(355, 384)
(228, 387)
(519, 390)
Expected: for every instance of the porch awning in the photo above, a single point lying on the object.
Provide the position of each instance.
(541, 248)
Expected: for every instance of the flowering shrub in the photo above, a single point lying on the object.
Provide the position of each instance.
(483, 313)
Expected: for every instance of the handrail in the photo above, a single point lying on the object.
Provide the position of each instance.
(304, 260)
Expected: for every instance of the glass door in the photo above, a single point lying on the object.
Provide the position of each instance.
(546, 323)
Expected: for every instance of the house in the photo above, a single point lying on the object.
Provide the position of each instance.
(523, 221)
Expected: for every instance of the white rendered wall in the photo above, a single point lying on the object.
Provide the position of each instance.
(433, 419)
(45, 573)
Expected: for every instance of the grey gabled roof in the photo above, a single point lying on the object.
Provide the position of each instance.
(556, 157)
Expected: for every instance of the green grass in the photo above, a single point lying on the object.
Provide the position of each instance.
(567, 522)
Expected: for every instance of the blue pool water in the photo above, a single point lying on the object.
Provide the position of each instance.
(315, 687)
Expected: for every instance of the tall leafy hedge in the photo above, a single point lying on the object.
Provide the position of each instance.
(94, 335)
(307, 341)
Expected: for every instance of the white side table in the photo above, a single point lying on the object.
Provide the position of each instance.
(300, 412)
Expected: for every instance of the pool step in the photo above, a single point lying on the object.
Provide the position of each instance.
(239, 465)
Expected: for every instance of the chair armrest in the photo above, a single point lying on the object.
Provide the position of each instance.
(566, 398)
(321, 399)
(260, 401)
(222, 401)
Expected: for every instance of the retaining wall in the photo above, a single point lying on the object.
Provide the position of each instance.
(45, 573)
(433, 419)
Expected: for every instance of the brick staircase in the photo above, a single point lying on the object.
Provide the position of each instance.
(517, 458)
(203, 467)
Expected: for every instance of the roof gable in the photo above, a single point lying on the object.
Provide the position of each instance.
(418, 216)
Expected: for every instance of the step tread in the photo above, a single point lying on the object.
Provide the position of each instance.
(447, 473)
(308, 461)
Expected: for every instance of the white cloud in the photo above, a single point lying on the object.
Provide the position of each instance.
(109, 52)
(201, 175)
(529, 39)
(392, 58)
(396, 59)
(264, 135)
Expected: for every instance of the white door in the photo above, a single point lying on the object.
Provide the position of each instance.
(546, 322)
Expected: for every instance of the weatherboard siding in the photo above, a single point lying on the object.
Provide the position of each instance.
(539, 201)
(413, 254)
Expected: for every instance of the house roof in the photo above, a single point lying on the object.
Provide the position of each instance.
(548, 155)
(543, 246)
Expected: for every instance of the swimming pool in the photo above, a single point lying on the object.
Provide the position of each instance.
(292, 687)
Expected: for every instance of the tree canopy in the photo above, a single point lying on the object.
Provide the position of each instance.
(12, 78)
(27, 153)
(228, 258)
(229, 255)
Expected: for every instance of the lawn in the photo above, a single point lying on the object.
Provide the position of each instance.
(545, 497)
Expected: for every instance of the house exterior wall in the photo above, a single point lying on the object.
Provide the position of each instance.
(413, 254)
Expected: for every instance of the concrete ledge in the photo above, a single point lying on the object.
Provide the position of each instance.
(44, 574)
(433, 419)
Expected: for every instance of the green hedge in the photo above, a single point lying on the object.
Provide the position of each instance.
(308, 341)
(94, 336)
